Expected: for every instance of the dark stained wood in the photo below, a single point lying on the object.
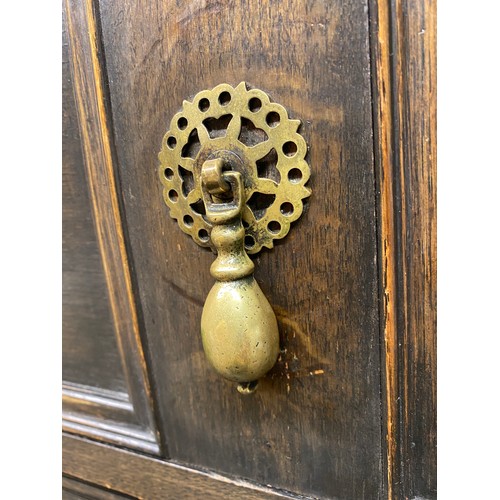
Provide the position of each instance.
(314, 425)
(90, 351)
(139, 476)
(349, 410)
(124, 418)
(77, 490)
(404, 87)
(416, 89)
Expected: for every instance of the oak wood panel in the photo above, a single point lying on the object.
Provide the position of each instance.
(90, 351)
(404, 88)
(125, 418)
(140, 476)
(314, 425)
(73, 489)
(415, 87)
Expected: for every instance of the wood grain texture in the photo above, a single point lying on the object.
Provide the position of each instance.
(314, 425)
(72, 489)
(415, 80)
(88, 80)
(384, 162)
(90, 351)
(139, 476)
(404, 88)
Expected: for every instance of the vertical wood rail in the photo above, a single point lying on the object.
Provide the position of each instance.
(403, 65)
(94, 121)
(384, 164)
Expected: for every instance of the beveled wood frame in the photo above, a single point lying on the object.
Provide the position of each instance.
(403, 60)
(122, 418)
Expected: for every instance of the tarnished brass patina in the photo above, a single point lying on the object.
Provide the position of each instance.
(234, 173)
(238, 326)
(253, 136)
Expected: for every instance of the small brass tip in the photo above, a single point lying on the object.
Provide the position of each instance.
(247, 387)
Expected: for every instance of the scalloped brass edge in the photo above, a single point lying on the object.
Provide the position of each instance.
(288, 191)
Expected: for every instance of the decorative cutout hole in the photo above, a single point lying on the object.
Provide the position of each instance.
(187, 180)
(224, 98)
(266, 167)
(249, 241)
(250, 135)
(236, 120)
(188, 220)
(254, 104)
(203, 235)
(273, 119)
(192, 147)
(259, 203)
(286, 208)
(198, 207)
(217, 127)
(274, 227)
(204, 104)
(290, 148)
(295, 175)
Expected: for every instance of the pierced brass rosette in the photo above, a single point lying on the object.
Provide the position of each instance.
(253, 136)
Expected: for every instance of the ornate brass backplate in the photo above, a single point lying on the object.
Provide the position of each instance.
(255, 137)
(234, 175)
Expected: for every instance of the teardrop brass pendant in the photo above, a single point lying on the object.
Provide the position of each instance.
(238, 326)
(225, 170)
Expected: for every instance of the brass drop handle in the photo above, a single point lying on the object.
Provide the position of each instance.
(234, 176)
(238, 326)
